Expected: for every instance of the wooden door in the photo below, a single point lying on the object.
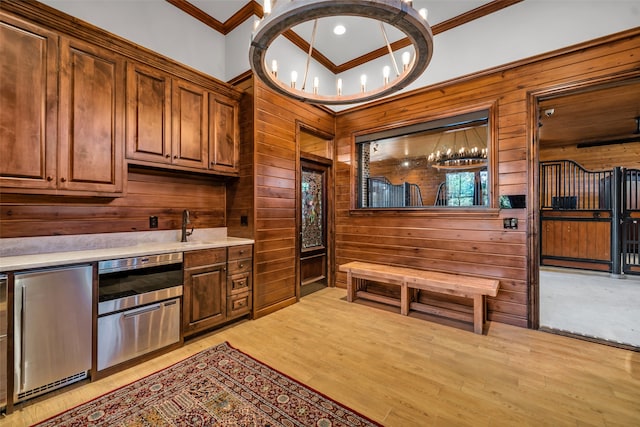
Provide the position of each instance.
(313, 224)
(224, 135)
(189, 119)
(28, 100)
(91, 121)
(148, 114)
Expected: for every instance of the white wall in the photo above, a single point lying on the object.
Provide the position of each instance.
(525, 29)
(156, 25)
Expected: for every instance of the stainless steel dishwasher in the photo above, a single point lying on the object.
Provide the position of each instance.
(52, 329)
(3, 341)
(139, 306)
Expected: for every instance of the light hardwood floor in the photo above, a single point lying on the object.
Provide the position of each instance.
(403, 371)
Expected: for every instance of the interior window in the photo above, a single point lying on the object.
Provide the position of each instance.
(441, 163)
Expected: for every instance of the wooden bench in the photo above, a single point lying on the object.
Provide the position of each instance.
(410, 279)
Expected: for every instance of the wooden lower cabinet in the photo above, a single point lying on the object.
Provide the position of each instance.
(204, 295)
(239, 268)
(217, 287)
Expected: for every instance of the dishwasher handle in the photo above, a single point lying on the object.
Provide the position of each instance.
(140, 311)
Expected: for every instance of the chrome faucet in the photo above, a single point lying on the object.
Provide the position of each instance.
(185, 222)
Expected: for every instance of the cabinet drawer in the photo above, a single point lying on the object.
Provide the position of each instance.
(238, 283)
(204, 257)
(239, 266)
(239, 304)
(239, 252)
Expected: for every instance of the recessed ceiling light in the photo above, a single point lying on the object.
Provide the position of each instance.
(339, 30)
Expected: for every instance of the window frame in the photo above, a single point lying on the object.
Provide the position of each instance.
(397, 129)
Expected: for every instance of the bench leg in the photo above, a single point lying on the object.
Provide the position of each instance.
(351, 292)
(404, 299)
(478, 314)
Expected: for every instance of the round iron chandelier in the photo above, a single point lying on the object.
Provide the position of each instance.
(287, 14)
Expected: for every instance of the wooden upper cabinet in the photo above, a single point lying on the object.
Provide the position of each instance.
(62, 115)
(91, 125)
(189, 121)
(148, 114)
(28, 100)
(167, 120)
(224, 134)
(173, 123)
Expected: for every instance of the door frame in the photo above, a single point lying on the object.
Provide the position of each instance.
(533, 204)
(329, 198)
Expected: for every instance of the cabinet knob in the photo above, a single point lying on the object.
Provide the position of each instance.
(63, 179)
(49, 178)
(168, 156)
(241, 266)
(175, 157)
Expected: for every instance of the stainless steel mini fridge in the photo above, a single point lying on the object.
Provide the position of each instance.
(52, 329)
(3, 341)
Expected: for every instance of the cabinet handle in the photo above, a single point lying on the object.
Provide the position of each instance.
(241, 251)
(63, 179)
(241, 266)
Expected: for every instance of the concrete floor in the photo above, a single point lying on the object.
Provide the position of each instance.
(591, 304)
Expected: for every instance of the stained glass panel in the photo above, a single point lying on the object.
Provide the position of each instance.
(312, 209)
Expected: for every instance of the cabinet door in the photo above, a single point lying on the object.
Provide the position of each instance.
(91, 129)
(204, 298)
(189, 117)
(28, 96)
(223, 135)
(148, 114)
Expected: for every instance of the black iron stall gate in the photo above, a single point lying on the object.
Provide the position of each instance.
(590, 219)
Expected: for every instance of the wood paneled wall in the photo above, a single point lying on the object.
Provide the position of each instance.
(276, 162)
(469, 242)
(596, 158)
(160, 194)
(240, 191)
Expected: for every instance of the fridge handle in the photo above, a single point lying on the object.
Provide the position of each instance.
(22, 337)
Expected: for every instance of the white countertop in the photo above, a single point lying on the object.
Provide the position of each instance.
(37, 252)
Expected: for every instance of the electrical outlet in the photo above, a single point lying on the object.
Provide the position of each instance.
(153, 222)
(244, 220)
(510, 223)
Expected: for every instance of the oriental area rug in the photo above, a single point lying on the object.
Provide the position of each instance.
(220, 386)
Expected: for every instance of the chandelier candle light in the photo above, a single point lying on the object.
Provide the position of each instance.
(286, 14)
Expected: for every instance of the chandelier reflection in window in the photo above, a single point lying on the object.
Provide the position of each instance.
(460, 149)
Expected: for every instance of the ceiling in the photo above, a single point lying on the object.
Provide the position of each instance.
(588, 116)
(339, 53)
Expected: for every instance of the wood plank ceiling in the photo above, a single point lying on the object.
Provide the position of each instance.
(600, 116)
